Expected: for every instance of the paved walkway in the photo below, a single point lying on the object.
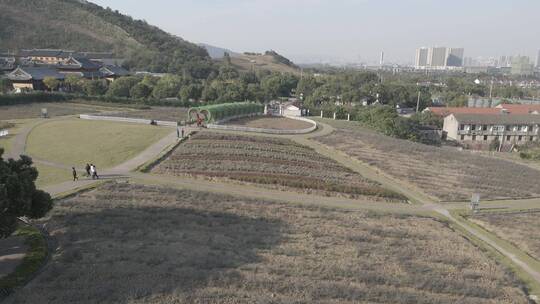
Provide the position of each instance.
(12, 252)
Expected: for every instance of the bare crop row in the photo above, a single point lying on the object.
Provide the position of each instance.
(127, 243)
(518, 228)
(266, 160)
(445, 173)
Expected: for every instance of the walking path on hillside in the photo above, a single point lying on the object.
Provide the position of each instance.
(422, 203)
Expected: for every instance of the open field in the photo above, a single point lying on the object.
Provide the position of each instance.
(127, 243)
(269, 161)
(49, 175)
(445, 173)
(156, 113)
(16, 126)
(33, 110)
(521, 229)
(270, 122)
(77, 142)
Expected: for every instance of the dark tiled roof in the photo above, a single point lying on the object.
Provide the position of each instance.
(34, 73)
(79, 63)
(93, 55)
(44, 53)
(494, 119)
(85, 74)
(114, 70)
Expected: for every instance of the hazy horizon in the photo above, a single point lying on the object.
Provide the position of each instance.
(353, 30)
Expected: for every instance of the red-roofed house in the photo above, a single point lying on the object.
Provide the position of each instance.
(445, 111)
(520, 108)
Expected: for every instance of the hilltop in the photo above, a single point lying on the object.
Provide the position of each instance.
(270, 61)
(83, 26)
(217, 52)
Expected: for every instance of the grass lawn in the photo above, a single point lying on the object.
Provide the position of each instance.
(51, 175)
(76, 142)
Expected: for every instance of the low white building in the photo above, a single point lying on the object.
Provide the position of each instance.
(291, 110)
(479, 129)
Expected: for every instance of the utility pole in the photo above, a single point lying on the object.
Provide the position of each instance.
(418, 102)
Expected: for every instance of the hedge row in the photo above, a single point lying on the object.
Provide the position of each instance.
(222, 111)
(39, 97)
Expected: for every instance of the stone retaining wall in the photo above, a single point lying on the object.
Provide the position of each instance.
(129, 120)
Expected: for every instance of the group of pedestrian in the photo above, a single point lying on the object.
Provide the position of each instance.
(91, 171)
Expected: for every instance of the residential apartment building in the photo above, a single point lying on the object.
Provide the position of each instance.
(521, 66)
(479, 130)
(439, 58)
(421, 58)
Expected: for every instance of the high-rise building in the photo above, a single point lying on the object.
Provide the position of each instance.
(439, 57)
(521, 66)
(382, 59)
(421, 57)
(454, 57)
(538, 59)
(436, 57)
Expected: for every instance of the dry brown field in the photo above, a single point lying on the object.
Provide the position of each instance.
(126, 243)
(270, 122)
(269, 161)
(521, 229)
(442, 172)
(156, 113)
(33, 110)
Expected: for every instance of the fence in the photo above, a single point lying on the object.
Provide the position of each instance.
(129, 120)
(268, 131)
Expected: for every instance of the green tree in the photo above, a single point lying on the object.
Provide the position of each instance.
(150, 81)
(74, 83)
(168, 86)
(94, 87)
(121, 87)
(18, 194)
(189, 92)
(51, 83)
(140, 90)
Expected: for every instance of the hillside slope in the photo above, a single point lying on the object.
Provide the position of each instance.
(80, 25)
(217, 52)
(267, 61)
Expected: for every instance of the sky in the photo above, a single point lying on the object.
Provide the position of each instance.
(347, 30)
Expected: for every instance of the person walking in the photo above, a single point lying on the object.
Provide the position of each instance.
(182, 132)
(75, 177)
(88, 170)
(94, 172)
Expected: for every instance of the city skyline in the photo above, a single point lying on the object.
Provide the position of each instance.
(353, 30)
